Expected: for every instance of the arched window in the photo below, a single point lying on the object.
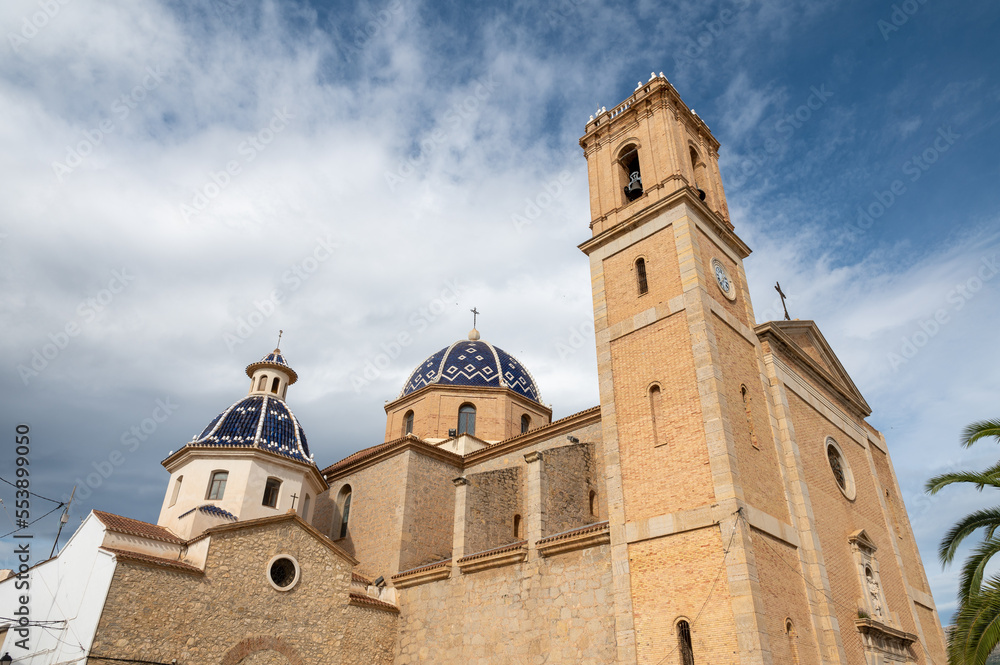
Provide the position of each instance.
(517, 526)
(408, 423)
(262, 384)
(305, 507)
(217, 485)
(746, 408)
(628, 160)
(271, 490)
(655, 404)
(525, 423)
(698, 167)
(467, 420)
(684, 643)
(593, 503)
(274, 385)
(793, 646)
(345, 510)
(640, 276)
(177, 490)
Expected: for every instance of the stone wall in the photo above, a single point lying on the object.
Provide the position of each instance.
(232, 614)
(569, 476)
(494, 498)
(429, 513)
(555, 610)
(378, 499)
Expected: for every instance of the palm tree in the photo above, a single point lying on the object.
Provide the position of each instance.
(977, 623)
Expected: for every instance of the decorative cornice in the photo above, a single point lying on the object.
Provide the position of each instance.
(580, 538)
(499, 556)
(715, 222)
(172, 461)
(432, 572)
(360, 600)
(870, 626)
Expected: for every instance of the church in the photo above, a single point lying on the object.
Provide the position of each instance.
(726, 502)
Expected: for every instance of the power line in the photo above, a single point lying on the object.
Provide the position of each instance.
(129, 660)
(32, 522)
(32, 493)
(711, 590)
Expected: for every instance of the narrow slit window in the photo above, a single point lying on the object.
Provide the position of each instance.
(525, 423)
(305, 507)
(640, 276)
(793, 647)
(517, 526)
(593, 503)
(408, 423)
(274, 385)
(177, 490)
(655, 405)
(684, 643)
(345, 511)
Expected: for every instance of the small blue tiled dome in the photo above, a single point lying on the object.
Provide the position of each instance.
(274, 359)
(258, 421)
(472, 362)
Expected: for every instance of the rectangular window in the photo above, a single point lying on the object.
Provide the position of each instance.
(271, 490)
(217, 487)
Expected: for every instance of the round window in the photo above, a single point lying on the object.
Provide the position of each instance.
(283, 572)
(841, 470)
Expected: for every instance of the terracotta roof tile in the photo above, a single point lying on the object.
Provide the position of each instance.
(155, 560)
(133, 527)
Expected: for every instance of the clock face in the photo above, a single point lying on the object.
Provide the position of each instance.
(723, 279)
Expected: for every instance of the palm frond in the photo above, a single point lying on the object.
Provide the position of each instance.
(988, 518)
(973, 569)
(980, 430)
(990, 477)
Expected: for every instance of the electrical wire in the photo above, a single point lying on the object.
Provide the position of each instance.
(61, 503)
(32, 522)
(711, 590)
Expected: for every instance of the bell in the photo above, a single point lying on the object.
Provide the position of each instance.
(701, 194)
(634, 187)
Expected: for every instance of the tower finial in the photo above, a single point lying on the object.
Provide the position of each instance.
(777, 287)
(280, 333)
(474, 334)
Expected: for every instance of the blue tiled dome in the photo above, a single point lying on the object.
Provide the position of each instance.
(473, 363)
(258, 421)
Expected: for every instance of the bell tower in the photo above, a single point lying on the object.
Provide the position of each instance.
(687, 432)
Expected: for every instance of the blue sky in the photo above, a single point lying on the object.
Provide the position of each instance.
(180, 180)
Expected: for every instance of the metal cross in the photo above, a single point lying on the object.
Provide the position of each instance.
(777, 287)
(475, 313)
(280, 333)
(294, 497)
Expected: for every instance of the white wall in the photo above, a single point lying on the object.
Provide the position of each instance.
(70, 589)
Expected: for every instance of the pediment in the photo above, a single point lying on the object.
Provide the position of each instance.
(803, 341)
(862, 540)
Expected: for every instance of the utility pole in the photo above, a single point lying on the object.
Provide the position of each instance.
(62, 522)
